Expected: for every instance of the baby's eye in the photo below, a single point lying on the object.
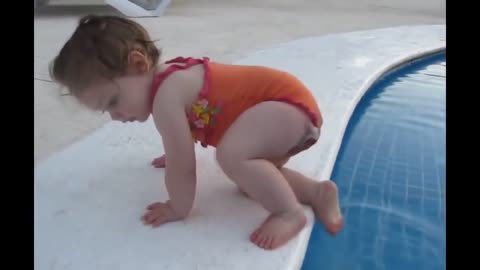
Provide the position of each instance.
(113, 102)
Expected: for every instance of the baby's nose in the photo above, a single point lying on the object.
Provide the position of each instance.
(115, 116)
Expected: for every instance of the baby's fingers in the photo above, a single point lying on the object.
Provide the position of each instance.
(160, 220)
(154, 205)
(159, 162)
(149, 217)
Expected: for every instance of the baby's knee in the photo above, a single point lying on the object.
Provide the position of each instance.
(279, 162)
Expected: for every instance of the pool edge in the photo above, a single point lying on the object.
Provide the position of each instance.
(377, 76)
(371, 81)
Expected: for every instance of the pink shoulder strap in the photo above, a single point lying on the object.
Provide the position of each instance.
(184, 64)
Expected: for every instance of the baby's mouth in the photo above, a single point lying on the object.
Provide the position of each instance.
(129, 120)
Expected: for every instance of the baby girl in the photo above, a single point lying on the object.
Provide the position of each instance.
(256, 117)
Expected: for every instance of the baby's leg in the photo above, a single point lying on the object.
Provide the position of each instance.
(322, 196)
(266, 131)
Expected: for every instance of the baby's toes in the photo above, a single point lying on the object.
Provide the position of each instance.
(254, 235)
(263, 244)
(269, 243)
(259, 240)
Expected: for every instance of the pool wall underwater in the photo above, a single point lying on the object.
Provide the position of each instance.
(390, 171)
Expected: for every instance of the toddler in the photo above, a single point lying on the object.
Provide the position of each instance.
(256, 117)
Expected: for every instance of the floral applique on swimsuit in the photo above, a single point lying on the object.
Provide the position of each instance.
(202, 114)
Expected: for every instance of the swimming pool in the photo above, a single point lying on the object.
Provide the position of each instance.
(390, 172)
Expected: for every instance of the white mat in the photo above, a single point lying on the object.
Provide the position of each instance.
(130, 9)
(90, 196)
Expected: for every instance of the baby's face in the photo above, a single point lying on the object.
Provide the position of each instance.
(126, 99)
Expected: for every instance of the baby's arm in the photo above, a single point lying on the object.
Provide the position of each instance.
(180, 175)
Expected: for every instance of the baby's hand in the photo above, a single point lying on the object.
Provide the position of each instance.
(159, 162)
(159, 213)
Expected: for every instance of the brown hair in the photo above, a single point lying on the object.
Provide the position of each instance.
(99, 49)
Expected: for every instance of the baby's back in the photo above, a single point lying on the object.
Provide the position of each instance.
(249, 82)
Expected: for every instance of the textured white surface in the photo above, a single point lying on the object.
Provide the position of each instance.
(89, 197)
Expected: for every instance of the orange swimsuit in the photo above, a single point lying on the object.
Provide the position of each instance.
(229, 90)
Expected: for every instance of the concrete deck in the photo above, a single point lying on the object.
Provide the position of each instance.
(90, 195)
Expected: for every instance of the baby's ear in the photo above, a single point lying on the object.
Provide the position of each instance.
(137, 63)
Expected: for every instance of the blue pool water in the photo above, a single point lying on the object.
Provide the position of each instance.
(390, 172)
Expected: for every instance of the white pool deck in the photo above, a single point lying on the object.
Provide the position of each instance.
(89, 196)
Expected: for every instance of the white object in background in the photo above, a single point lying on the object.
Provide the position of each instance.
(40, 3)
(130, 9)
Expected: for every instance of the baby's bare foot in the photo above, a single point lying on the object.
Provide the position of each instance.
(326, 206)
(279, 229)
